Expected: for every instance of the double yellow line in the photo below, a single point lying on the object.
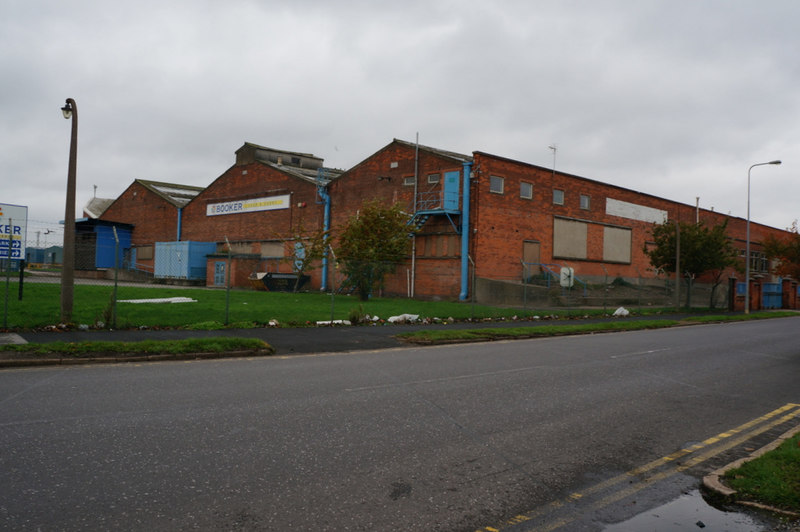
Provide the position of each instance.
(645, 478)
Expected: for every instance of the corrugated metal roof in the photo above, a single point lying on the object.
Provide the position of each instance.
(178, 195)
(444, 153)
(95, 207)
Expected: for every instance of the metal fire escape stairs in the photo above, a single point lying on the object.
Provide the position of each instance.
(438, 201)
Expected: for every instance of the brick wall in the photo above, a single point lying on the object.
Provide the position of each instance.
(154, 219)
(256, 232)
(383, 176)
(502, 222)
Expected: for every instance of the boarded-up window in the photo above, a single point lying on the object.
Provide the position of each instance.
(438, 246)
(144, 253)
(569, 239)
(453, 246)
(272, 249)
(616, 244)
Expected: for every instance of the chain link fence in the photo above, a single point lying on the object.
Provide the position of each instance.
(545, 286)
(113, 273)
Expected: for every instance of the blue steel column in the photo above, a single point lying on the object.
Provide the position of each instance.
(326, 225)
(465, 234)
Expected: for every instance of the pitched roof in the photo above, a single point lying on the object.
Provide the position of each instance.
(305, 166)
(444, 153)
(95, 207)
(178, 195)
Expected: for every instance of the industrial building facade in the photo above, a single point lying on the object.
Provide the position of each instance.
(478, 216)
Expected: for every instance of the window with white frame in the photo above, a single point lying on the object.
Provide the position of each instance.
(585, 202)
(558, 196)
(525, 190)
(433, 179)
(496, 184)
(409, 181)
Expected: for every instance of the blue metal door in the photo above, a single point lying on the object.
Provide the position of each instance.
(772, 296)
(451, 188)
(219, 273)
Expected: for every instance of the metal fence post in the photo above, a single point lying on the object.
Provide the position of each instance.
(524, 287)
(8, 270)
(116, 277)
(228, 283)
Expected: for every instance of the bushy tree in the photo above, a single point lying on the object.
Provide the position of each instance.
(786, 252)
(371, 243)
(308, 247)
(703, 250)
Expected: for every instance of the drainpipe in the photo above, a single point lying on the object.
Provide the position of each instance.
(180, 220)
(414, 210)
(465, 233)
(326, 225)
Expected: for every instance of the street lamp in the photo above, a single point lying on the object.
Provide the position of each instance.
(747, 249)
(70, 110)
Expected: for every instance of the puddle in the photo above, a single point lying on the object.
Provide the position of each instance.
(688, 512)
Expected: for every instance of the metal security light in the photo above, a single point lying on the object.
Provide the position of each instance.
(747, 250)
(70, 110)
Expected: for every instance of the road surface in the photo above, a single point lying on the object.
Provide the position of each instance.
(562, 433)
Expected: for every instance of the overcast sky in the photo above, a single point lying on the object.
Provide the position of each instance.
(675, 98)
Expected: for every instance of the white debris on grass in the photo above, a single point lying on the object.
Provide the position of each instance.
(621, 312)
(160, 300)
(334, 322)
(403, 318)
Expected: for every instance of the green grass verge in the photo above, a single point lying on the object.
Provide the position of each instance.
(466, 335)
(717, 318)
(772, 479)
(145, 347)
(40, 307)
(93, 304)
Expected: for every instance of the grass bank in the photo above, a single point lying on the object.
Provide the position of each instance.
(214, 308)
(132, 349)
(772, 479)
(443, 336)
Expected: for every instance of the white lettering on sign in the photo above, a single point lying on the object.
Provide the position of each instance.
(13, 228)
(633, 211)
(249, 205)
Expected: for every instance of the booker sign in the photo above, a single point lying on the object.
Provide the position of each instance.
(13, 228)
(248, 205)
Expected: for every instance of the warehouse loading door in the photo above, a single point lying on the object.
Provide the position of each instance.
(531, 257)
(451, 189)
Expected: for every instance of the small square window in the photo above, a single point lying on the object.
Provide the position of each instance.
(433, 179)
(525, 190)
(408, 181)
(585, 202)
(496, 184)
(558, 196)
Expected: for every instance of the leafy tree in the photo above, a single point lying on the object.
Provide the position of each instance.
(703, 250)
(309, 247)
(371, 243)
(786, 251)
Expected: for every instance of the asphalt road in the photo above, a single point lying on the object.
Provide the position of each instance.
(518, 435)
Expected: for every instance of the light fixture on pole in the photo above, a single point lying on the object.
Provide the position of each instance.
(70, 110)
(747, 245)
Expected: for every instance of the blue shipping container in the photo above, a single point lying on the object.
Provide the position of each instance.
(182, 260)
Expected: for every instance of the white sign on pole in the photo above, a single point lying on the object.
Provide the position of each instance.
(13, 231)
(567, 277)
